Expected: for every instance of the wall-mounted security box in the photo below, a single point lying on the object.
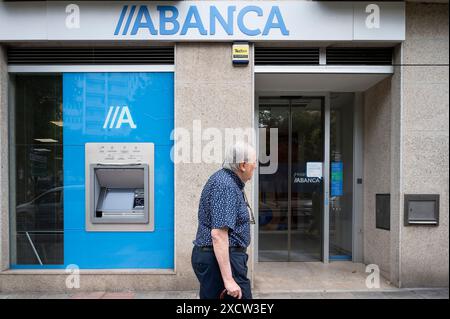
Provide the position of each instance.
(240, 53)
(119, 186)
(421, 210)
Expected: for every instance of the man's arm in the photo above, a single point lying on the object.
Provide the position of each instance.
(220, 244)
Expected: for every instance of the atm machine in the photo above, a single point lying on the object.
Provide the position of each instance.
(119, 187)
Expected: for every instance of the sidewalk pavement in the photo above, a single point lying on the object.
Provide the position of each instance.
(417, 293)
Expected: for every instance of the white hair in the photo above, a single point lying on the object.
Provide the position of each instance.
(239, 152)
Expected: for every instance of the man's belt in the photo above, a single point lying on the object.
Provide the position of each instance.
(232, 248)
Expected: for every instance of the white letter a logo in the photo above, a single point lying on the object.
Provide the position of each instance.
(124, 117)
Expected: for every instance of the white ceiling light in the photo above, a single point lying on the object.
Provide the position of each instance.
(41, 150)
(46, 140)
(57, 123)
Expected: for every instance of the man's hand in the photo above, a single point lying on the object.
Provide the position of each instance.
(221, 247)
(233, 289)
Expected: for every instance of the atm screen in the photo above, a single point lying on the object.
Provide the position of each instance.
(118, 199)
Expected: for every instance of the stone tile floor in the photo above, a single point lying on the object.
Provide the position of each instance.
(419, 293)
(313, 276)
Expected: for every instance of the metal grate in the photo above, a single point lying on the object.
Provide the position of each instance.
(359, 56)
(58, 56)
(286, 56)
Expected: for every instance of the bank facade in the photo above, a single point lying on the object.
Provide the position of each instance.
(95, 177)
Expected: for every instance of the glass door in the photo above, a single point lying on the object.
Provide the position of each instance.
(291, 199)
(274, 188)
(306, 179)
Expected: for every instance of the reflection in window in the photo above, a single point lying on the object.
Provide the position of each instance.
(37, 223)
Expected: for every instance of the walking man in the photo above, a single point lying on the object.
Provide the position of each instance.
(219, 256)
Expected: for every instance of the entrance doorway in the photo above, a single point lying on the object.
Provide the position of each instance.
(305, 205)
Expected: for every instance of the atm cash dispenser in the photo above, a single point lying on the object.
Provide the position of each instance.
(119, 186)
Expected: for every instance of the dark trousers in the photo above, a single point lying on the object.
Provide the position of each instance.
(207, 271)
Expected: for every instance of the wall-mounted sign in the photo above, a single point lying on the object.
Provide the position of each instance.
(240, 53)
(202, 20)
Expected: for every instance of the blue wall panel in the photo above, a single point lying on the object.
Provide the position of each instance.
(87, 98)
